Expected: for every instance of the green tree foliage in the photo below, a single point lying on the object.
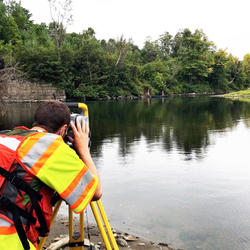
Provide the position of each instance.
(246, 69)
(21, 17)
(219, 72)
(9, 32)
(155, 74)
(195, 56)
(166, 46)
(150, 51)
(90, 68)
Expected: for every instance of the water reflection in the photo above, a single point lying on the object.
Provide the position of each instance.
(16, 114)
(184, 123)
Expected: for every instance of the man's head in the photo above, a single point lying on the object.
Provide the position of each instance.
(52, 116)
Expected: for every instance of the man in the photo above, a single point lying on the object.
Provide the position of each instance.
(40, 158)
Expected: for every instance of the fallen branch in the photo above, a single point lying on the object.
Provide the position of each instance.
(60, 243)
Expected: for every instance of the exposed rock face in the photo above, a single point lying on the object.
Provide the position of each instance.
(14, 88)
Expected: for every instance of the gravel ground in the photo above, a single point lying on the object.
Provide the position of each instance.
(59, 232)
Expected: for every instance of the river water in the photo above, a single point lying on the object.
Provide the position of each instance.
(173, 170)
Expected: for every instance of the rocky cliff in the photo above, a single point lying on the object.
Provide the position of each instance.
(15, 88)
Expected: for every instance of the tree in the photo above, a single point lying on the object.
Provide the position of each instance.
(218, 77)
(60, 12)
(150, 51)
(156, 75)
(9, 32)
(176, 44)
(21, 17)
(246, 69)
(165, 44)
(122, 47)
(195, 56)
(236, 75)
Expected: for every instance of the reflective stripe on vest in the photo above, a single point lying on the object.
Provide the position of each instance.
(39, 153)
(75, 194)
(10, 142)
(47, 157)
(4, 223)
(86, 196)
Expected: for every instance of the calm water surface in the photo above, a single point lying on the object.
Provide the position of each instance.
(173, 170)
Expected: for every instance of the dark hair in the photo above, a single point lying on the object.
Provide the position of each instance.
(51, 115)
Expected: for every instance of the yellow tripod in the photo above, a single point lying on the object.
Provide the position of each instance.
(78, 243)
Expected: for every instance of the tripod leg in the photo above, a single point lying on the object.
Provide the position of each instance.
(100, 226)
(107, 225)
(76, 240)
(71, 225)
(82, 227)
(56, 209)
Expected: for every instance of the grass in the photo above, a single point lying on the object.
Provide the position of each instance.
(239, 93)
(242, 95)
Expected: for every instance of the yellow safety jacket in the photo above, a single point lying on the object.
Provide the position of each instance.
(45, 157)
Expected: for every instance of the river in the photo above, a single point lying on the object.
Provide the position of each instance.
(173, 170)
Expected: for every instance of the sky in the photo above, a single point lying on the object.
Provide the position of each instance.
(225, 22)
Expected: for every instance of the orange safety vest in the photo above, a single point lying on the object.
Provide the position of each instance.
(20, 204)
(31, 156)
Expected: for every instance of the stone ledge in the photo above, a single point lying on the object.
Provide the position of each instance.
(16, 88)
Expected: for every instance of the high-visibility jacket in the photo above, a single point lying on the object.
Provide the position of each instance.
(47, 164)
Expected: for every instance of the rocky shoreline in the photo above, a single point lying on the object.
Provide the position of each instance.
(59, 236)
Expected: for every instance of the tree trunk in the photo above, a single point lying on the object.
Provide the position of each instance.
(58, 49)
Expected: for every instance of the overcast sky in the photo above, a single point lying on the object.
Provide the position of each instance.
(225, 22)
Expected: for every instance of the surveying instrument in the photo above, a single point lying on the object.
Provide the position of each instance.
(76, 239)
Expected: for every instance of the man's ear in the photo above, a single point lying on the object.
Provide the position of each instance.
(62, 130)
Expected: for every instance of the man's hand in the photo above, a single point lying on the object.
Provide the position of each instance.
(81, 137)
(81, 142)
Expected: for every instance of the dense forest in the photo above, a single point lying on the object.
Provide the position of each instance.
(90, 68)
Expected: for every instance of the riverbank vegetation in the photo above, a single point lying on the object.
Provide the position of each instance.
(240, 93)
(90, 68)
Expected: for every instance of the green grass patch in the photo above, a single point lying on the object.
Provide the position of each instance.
(239, 93)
